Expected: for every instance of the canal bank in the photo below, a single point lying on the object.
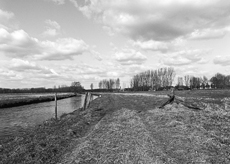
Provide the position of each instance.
(118, 128)
(46, 143)
(15, 119)
(18, 101)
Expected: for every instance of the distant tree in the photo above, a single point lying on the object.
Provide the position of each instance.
(180, 81)
(91, 86)
(220, 81)
(76, 87)
(100, 85)
(204, 81)
(195, 82)
(154, 79)
(117, 83)
(187, 80)
(109, 84)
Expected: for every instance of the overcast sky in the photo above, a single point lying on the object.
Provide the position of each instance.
(54, 42)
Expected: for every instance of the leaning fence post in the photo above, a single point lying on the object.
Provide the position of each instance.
(85, 102)
(55, 98)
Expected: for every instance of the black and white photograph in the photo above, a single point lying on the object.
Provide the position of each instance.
(114, 82)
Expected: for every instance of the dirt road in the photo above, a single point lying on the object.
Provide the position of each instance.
(132, 129)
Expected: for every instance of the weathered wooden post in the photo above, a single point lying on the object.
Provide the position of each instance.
(89, 100)
(85, 102)
(55, 99)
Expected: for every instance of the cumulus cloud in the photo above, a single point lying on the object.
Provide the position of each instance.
(50, 32)
(52, 28)
(160, 20)
(59, 2)
(185, 57)
(20, 44)
(23, 71)
(17, 43)
(209, 33)
(74, 2)
(222, 60)
(129, 57)
(53, 24)
(61, 49)
(6, 74)
(5, 15)
(20, 65)
(152, 45)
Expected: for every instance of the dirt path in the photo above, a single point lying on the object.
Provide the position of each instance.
(133, 130)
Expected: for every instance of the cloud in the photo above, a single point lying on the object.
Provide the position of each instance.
(130, 57)
(74, 2)
(222, 60)
(23, 71)
(59, 2)
(62, 2)
(52, 28)
(20, 65)
(162, 20)
(6, 74)
(5, 15)
(20, 44)
(209, 34)
(185, 57)
(97, 55)
(53, 24)
(152, 45)
(50, 32)
(61, 49)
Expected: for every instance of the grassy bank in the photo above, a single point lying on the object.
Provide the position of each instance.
(18, 101)
(126, 129)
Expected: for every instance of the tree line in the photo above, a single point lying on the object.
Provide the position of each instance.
(192, 82)
(74, 87)
(109, 84)
(163, 78)
(218, 81)
(153, 79)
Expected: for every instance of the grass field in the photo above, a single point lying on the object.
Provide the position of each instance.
(129, 128)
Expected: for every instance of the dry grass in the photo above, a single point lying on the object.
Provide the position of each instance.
(118, 138)
(129, 129)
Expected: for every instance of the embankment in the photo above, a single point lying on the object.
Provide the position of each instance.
(120, 128)
(7, 103)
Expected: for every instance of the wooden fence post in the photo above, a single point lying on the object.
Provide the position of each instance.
(55, 98)
(85, 102)
(89, 100)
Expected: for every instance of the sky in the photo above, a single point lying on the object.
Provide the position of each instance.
(47, 43)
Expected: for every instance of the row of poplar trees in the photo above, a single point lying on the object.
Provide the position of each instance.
(153, 79)
(109, 84)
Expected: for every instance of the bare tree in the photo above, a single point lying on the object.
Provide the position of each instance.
(117, 83)
(153, 79)
(180, 81)
(187, 80)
